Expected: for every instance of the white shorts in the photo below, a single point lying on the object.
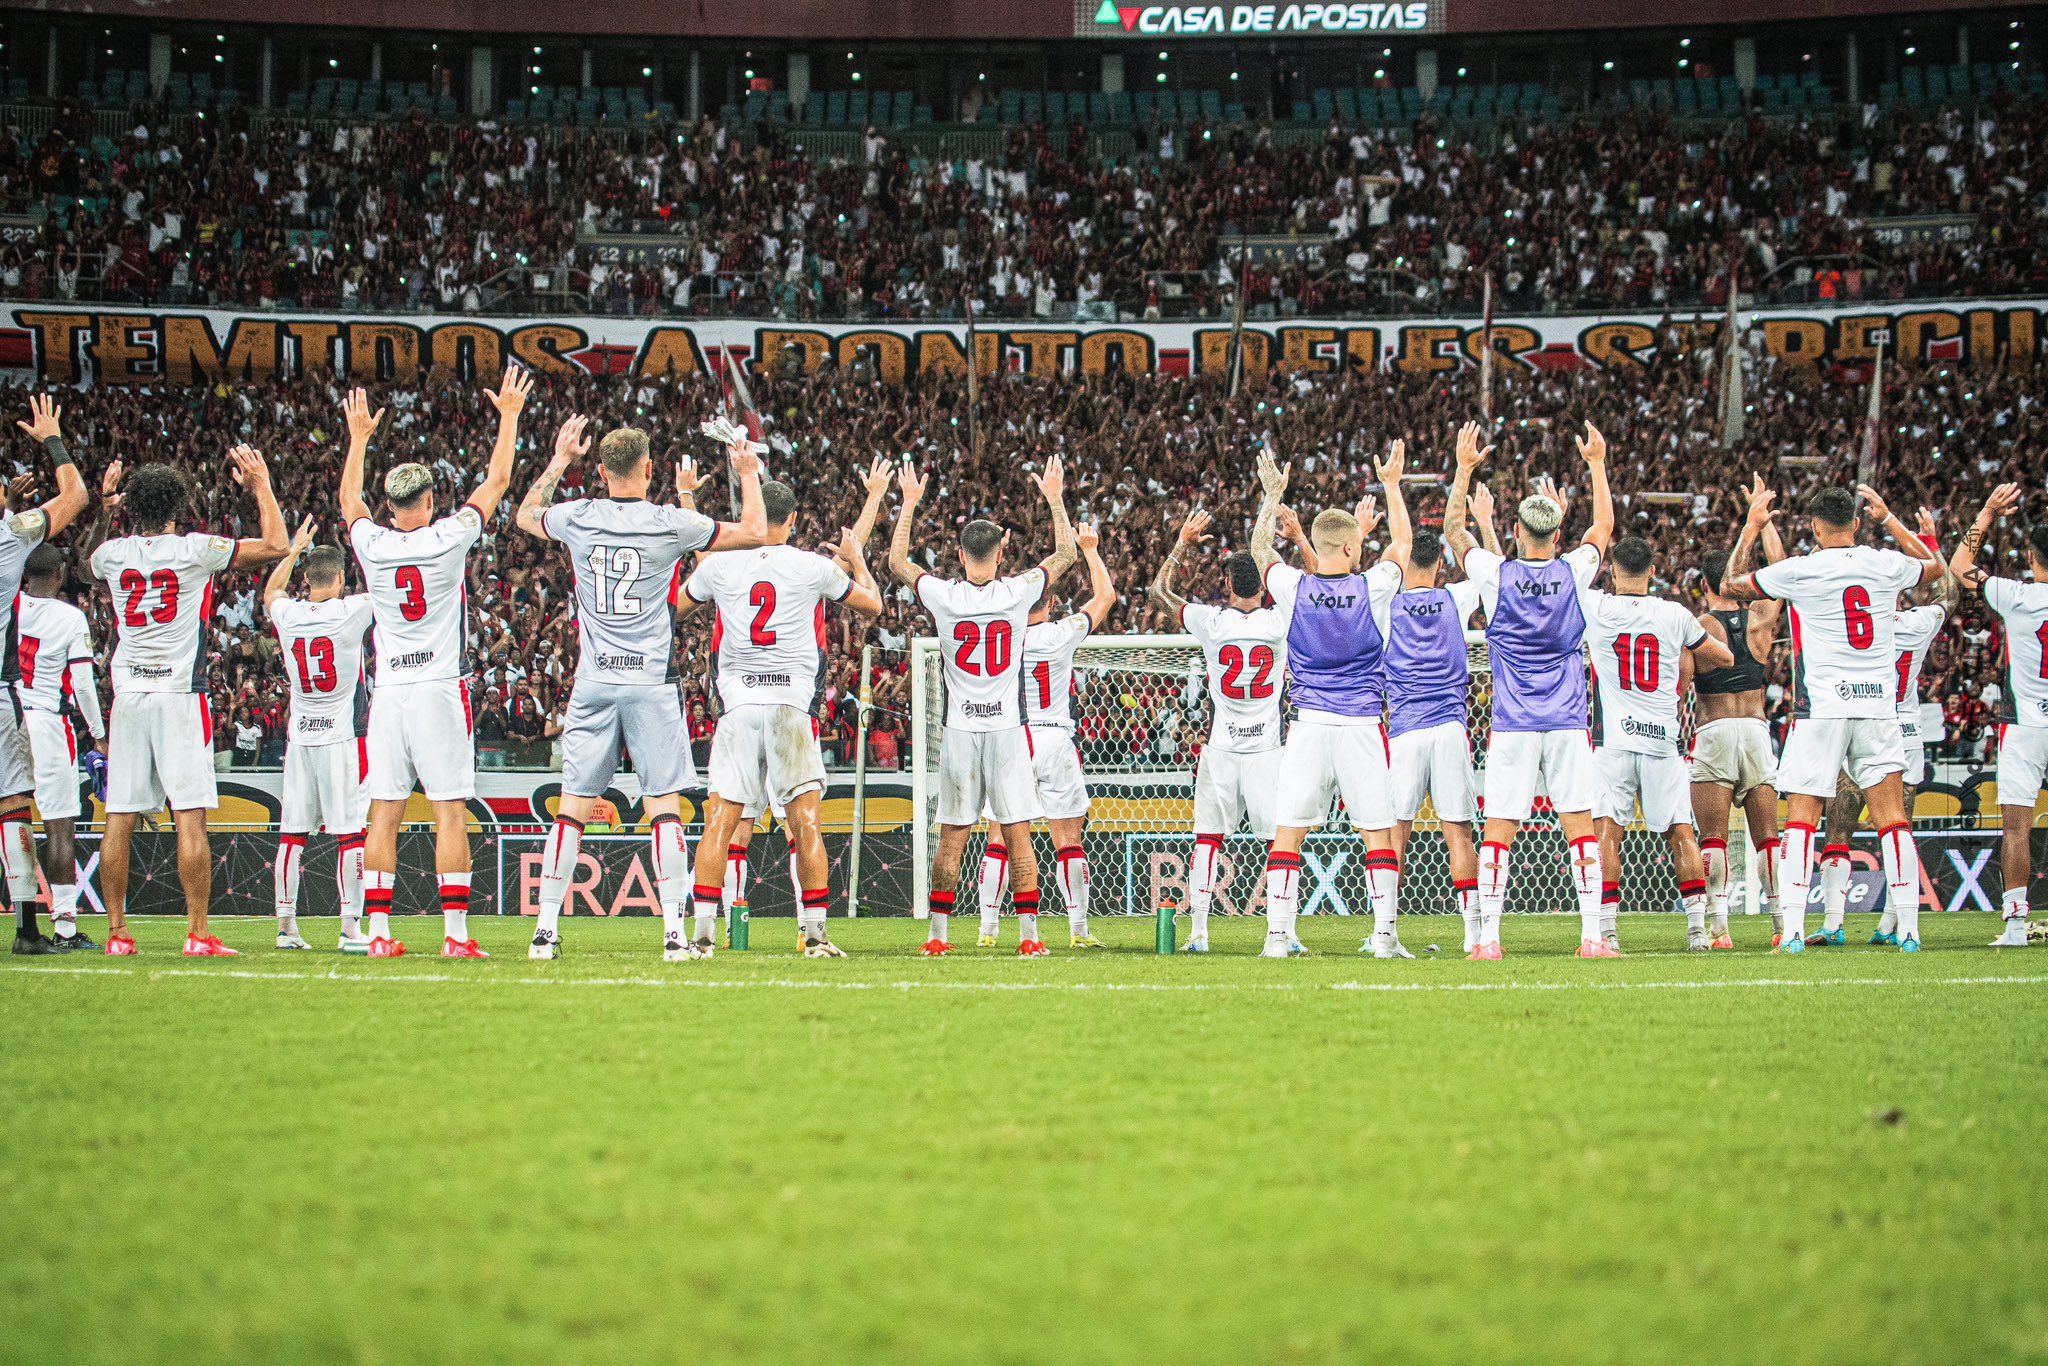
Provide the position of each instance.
(1734, 752)
(17, 757)
(1321, 761)
(422, 732)
(1056, 768)
(1660, 783)
(1916, 763)
(987, 768)
(55, 748)
(1231, 787)
(766, 753)
(323, 785)
(1434, 762)
(2022, 764)
(1518, 760)
(1819, 750)
(160, 749)
(648, 718)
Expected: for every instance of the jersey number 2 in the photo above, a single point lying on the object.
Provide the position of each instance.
(762, 597)
(165, 582)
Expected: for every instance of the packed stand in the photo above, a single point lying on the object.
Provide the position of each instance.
(1619, 211)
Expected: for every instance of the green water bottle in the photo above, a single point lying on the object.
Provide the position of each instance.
(736, 927)
(1165, 930)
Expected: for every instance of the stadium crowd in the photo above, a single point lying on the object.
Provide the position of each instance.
(1140, 450)
(1617, 211)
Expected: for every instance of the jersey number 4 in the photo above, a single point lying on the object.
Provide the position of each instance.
(1635, 658)
(994, 644)
(315, 658)
(1234, 660)
(165, 582)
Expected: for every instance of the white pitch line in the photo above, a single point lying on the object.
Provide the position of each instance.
(800, 984)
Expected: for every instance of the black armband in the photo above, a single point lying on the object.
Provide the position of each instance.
(58, 452)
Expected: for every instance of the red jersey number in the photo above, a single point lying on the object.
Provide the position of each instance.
(762, 597)
(410, 582)
(315, 659)
(1856, 617)
(1234, 660)
(165, 582)
(993, 642)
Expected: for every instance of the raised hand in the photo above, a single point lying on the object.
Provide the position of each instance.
(43, 414)
(248, 467)
(510, 395)
(1368, 514)
(1087, 536)
(1394, 466)
(688, 479)
(1880, 512)
(2001, 503)
(1286, 521)
(1927, 524)
(875, 482)
(1470, 454)
(1273, 475)
(570, 442)
(362, 423)
(1544, 486)
(911, 484)
(110, 482)
(1761, 496)
(1481, 505)
(303, 537)
(1195, 529)
(745, 462)
(21, 489)
(1592, 446)
(1053, 482)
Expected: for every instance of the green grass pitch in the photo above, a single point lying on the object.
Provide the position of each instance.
(1090, 1158)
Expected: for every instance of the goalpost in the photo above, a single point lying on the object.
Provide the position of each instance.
(1141, 711)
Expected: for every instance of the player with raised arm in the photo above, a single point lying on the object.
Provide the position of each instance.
(415, 570)
(1337, 743)
(1428, 681)
(160, 735)
(1537, 610)
(1841, 600)
(1244, 650)
(1915, 630)
(1643, 648)
(20, 534)
(627, 553)
(1732, 763)
(320, 641)
(2023, 714)
(1049, 648)
(770, 661)
(984, 748)
(56, 670)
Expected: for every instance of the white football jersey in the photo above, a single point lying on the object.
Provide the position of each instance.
(162, 587)
(1049, 670)
(323, 659)
(418, 587)
(628, 556)
(1636, 642)
(19, 534)
(981, 639)
(54, 636)
(769, 640)
(1913, 632)
(1246, 653)
(1840, 604)
(2024, 606)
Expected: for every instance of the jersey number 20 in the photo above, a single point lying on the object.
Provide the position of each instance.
(994, 644)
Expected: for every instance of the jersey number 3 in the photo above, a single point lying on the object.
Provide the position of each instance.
(409, 581)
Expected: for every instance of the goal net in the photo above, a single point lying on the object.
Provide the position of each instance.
(1141, 712)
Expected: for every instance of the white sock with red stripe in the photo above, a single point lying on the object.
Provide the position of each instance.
(284, 880)
(1714, 854)
(1834, 885)
(1202, 883)
(2012, 906)
(1283, 892)
(348, 880)
(557, 866)
(988, 887)
(454, 889)
(735, 889)
(1795, 876)
(1467, 892)
(672, 871)
(705, 901)
(64, 909)
(812, 904)
(1585, 860)
(939, 913)
(1493, 889)
(1383, 888)
(377, 901)
(18, 853)
(1070, 871)
(1026, 906)
(1902, 877)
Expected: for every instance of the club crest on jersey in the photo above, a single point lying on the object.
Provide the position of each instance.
(981, 708)
(1849, 690)
(631, 662)
(765, 680)
(416, 660)
(1652, 730)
